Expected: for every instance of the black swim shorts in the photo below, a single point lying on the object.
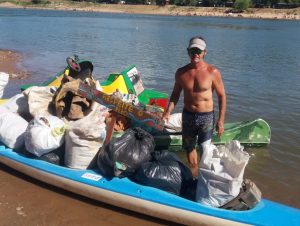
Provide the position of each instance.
(197, 127)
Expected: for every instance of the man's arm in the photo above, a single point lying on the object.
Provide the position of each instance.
(220, 91)
(173, 98)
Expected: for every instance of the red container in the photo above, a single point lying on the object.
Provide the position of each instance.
(161, 102)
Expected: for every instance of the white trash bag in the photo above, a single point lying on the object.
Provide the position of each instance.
(221, 173)
(174, 124)
(44, 134)
(39, 99)
(3, 110)
(4, 77)
(17, 104)
(84, 137)
(12, 129)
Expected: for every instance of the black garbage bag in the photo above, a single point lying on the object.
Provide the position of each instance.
(190, 188)
(166, 172)
(51, 157)
(105, 162)
(123, 155)
(55, 157)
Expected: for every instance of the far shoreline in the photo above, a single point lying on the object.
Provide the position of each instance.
(170, 10)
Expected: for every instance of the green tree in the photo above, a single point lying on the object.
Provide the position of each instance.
(242, 4)
(36, 1)
(207, 2)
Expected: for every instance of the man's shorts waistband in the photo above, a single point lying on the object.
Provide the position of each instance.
(198, 113)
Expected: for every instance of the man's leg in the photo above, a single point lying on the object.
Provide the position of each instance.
(189, 139)
(205, 122)
(193, 162)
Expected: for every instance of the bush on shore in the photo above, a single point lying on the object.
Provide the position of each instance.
(241, 5)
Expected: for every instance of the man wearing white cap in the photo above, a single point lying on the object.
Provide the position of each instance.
(198, 80)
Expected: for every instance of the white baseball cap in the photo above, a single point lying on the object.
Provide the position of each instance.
(197, 43)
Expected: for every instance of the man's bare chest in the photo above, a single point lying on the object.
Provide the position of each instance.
(197, 83)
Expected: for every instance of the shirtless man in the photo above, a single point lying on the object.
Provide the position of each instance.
(198, 80)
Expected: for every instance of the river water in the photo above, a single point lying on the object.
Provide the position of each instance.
(259, 61)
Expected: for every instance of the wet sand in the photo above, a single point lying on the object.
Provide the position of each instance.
(255, 13)
(26, 201)
(10, 63)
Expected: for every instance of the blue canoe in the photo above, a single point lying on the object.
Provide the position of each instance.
(150, 201)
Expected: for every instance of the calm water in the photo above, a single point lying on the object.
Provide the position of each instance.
(259, 61)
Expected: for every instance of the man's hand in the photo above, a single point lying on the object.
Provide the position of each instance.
(220, 128)
(166, 116)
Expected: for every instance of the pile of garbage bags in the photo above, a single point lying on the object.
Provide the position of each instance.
(133, 155)
(53, 124)
(64, 128)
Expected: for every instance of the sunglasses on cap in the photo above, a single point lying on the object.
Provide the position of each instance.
(194, 51)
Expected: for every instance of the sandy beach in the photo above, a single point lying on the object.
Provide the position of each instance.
(265, 13)
(28, 202)
(10, 63)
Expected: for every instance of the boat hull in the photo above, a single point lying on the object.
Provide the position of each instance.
(151, 201)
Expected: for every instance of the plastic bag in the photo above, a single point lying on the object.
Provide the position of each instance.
(84, 137)
(39, 100)
(174, 124)
(4, 77)
(125, 154)
(165, 172)
(55, 157)
(221, 173)
(18, 104)
(44, 134)
(12, 129)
